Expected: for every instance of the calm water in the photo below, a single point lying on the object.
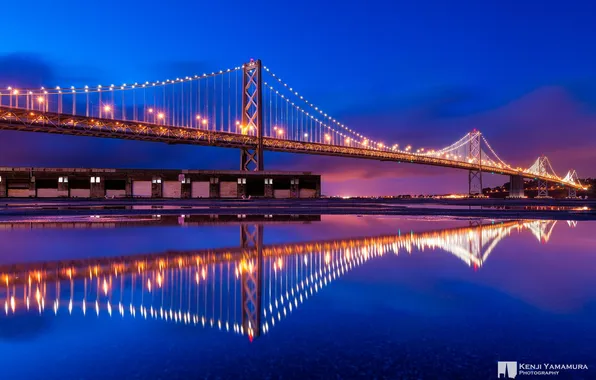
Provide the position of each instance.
(298, 297)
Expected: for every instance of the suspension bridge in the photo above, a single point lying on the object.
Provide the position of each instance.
(249, 108)
(245, 289)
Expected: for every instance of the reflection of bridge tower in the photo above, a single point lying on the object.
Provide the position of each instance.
(475, 241)
(542, 229)
(251, 241)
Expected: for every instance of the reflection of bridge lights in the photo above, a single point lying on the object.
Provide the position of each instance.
(159, 280)
(105, 287)
(149, 285)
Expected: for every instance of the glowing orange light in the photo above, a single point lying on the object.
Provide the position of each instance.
(161, 115)
(40, 99)
(204, 122)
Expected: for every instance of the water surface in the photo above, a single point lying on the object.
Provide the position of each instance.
(294, 297)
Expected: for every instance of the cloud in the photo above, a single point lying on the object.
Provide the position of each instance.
(25, 70)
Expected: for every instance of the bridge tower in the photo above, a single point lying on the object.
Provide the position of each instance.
(542, 184)
(251, 240)
(475, 156)
(252, 115)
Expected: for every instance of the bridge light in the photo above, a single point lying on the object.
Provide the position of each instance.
(327, 137)
(204, 122)
(198, 117)
(161, 115)
(306, 135)
(40, 99)
(280, 132)
(15, 92)
(107, 108)
(150, 110)
(237, 122)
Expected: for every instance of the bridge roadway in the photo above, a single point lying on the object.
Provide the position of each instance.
(68, 269)
(20, 119)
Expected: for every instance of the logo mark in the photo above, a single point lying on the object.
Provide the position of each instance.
(507, 370)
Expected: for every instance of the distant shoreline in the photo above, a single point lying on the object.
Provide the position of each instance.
(467, 208)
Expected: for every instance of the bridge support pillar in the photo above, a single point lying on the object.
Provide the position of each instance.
(475, 182)
(542, 189)
(241, 190)
(516, 186)
(156, 188)
(475, 156)
(98, 189)
(252, 115)
(295, 188)
(213, 187)
(251, 240)
(128, 188)
(268, 193)
(3, 187)
(186, 189)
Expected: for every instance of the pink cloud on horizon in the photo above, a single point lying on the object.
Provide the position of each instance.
(546, 121)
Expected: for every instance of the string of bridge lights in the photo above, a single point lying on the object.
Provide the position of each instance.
(320, 111)
(113, 87)
(306, 113)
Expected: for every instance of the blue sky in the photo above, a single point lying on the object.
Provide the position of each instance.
(421, 72)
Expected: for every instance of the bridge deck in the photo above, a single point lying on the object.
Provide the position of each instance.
(20, 119)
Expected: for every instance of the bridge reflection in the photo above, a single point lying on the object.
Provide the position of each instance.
(246, 289)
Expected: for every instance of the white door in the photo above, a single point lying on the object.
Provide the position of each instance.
(228, 190)
(141, 189)
(47, 193)
(172, 189)
(281, 193)
(200, 190)
(80, 193)
(308, 193)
